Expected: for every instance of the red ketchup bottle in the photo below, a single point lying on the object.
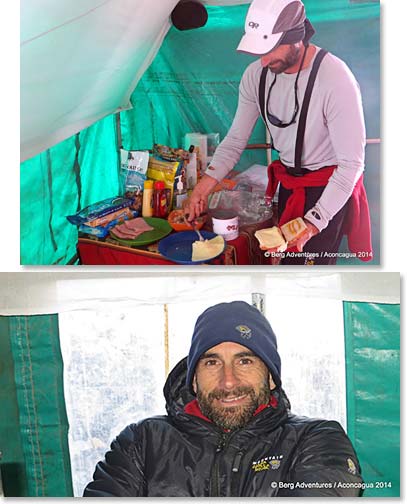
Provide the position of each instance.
(161, 207)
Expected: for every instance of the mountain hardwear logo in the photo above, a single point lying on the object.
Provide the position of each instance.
(351, 466)
(245, 332)
(266, 463)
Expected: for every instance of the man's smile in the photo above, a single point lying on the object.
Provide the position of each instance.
(233, 401)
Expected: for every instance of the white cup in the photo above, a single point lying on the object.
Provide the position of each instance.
(228, 228)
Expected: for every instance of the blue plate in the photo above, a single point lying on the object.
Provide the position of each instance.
(177, 247)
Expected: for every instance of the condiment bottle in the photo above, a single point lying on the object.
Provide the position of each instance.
(161, 206)
(148, 199)
(191, 169)
(180, 194)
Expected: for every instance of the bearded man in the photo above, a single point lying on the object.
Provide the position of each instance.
(310, 102)
(229, 431)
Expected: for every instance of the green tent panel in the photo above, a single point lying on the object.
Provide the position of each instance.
(373, 392)
(34, 423)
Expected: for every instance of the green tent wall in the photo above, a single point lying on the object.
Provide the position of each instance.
(33, 423)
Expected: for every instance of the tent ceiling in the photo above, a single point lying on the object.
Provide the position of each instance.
(80, 61)
(35, 293)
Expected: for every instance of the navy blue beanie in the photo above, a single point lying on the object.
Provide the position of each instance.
(238, 322)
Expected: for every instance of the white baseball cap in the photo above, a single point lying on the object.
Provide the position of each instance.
(267, 22)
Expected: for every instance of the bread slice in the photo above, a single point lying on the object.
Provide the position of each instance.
(271, 238)
(293, 229)
(207, 249)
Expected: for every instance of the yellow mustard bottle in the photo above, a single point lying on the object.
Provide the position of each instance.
(147, 209)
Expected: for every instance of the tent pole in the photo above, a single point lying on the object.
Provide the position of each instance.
(118, 132)
(119, 145)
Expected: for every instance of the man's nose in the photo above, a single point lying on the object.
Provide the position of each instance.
(229, 378)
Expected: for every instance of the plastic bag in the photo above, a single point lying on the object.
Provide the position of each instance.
(252, 207)
(133, 173)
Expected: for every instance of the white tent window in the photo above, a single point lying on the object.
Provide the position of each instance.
(311, 344)
(113, 376)
(115, 363)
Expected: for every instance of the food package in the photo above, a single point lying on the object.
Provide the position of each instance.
(99, 209)
(102, 231)
(294, 229)
(166, 153)
(167, 171)
(133, 170)
(117, 215)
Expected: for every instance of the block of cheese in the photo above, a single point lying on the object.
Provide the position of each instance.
(293, 229)
(207, 249)
(271, 238)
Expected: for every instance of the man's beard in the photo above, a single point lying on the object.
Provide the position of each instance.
(233, 417)
(292, 58)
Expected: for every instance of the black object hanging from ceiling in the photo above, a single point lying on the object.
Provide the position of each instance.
(189, 14)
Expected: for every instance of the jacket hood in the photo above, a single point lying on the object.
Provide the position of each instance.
(176, 392)
(177, 395)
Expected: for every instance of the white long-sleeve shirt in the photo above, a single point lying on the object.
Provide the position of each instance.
(334, 134)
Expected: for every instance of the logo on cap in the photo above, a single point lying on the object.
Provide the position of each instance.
(254, 25)
(245, 332)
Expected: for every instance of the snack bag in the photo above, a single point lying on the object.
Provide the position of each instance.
(133, 170)
(101, 231)
(99, 210)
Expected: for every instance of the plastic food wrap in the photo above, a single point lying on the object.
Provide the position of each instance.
(251, 206)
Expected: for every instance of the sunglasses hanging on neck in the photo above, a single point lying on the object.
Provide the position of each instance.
(275, 121)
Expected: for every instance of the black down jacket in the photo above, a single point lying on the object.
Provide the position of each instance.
(180, 455)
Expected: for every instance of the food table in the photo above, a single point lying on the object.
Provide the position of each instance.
(244, 250)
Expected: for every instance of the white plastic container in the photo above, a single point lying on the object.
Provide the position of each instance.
(228, 227)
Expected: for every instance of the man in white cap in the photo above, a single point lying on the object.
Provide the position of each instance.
(311, 104)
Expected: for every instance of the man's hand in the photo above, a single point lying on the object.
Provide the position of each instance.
(305, 237)
(197, 203)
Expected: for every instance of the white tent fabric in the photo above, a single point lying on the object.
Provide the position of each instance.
(40, 293)
(80, 61)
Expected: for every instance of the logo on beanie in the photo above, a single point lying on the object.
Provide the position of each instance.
(245, 332)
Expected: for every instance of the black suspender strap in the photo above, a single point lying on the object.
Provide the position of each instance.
(262, 93)
(262, 100)
(299, 143)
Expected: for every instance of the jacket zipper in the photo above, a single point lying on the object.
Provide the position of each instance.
(234, 486)
(214, 481)
(236, 462)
